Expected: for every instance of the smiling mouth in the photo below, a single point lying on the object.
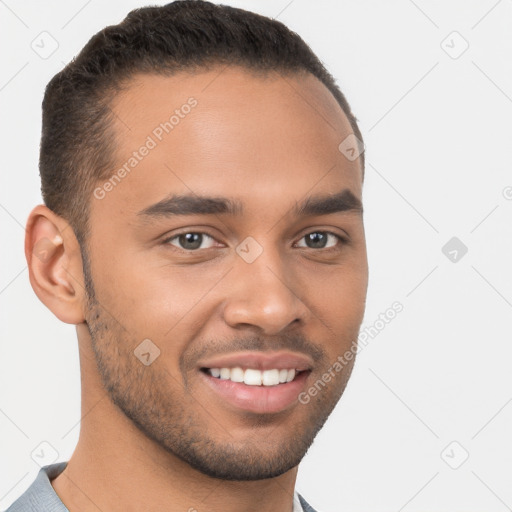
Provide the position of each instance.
(253, 376)
(256, 385)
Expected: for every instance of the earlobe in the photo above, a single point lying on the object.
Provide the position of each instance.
(55, 265)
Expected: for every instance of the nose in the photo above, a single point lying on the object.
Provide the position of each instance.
(264, 294)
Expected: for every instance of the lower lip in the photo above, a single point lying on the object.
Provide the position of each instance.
(258, 399)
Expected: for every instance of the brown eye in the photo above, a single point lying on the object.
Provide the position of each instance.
(321, 239)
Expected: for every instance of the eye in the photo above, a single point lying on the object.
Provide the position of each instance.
(191, 241)
(321, 240)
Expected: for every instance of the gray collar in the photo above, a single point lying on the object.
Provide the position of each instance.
(42, 496)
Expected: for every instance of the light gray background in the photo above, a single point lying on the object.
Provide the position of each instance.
(438, 147)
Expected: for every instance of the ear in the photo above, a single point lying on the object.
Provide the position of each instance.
(55, 264)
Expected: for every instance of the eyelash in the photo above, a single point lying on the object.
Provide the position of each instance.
(341, 240)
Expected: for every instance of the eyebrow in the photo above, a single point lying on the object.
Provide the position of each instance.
(344, 201)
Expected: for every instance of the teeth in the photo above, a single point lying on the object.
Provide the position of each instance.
(237, 375)
(252, 377)
(270, 377)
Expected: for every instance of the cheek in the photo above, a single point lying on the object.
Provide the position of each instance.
(165, 303)
(339, 290)
(338, 299)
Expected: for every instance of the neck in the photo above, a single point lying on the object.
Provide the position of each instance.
(115, 467)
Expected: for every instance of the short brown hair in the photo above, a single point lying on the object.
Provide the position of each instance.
(77, 143)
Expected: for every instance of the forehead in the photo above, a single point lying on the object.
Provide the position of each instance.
(228, 132)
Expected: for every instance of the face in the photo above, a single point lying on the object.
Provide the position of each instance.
(227, 266)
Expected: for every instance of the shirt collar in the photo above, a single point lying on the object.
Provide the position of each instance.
(42, 493)
(297, 507)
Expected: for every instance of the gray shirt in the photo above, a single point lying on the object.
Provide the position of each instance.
(41, 497)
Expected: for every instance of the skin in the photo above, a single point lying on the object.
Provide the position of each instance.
(156, 437)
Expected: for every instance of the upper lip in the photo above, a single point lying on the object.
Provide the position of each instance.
(260, 361)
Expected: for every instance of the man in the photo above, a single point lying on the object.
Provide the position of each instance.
(202, 228)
